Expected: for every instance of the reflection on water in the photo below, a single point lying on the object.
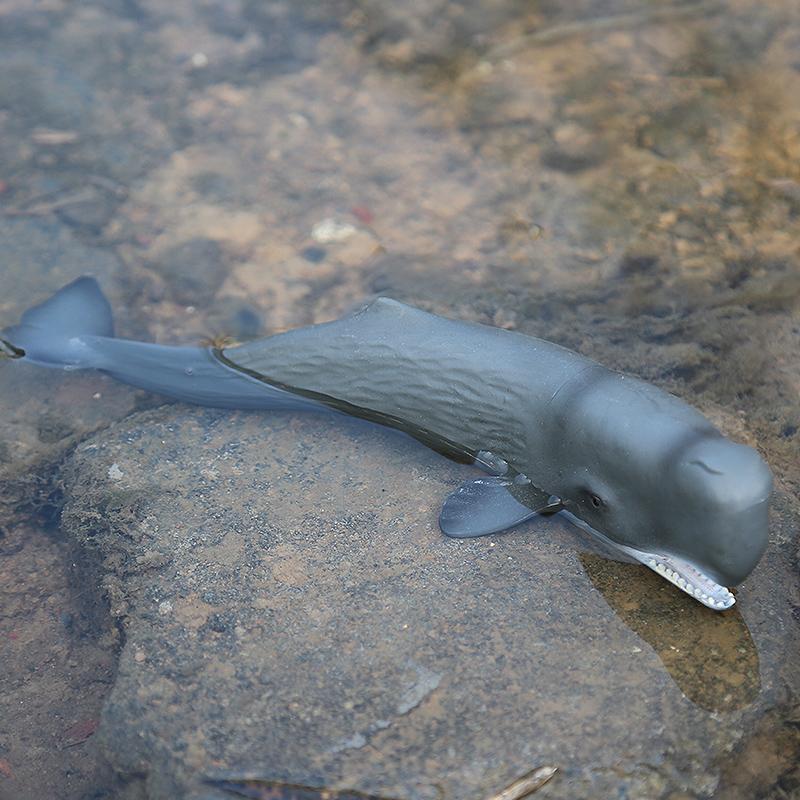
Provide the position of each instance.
(709, 654)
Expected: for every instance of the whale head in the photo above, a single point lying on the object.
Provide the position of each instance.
(653, 477)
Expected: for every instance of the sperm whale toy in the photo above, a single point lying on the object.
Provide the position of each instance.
(556, 432)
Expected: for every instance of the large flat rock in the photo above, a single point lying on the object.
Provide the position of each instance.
(291, 611)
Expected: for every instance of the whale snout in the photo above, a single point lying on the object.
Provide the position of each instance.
(747, 534)
(725, 489)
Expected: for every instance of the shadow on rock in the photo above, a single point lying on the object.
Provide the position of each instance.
(710, 655)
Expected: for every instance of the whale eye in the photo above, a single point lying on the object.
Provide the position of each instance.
(596, 500)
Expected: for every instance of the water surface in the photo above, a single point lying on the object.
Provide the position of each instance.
(621, 178)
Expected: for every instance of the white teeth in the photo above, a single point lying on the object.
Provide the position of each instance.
(675, 577)
(674, 569)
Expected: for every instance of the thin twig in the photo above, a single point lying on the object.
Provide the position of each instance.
(526, 785)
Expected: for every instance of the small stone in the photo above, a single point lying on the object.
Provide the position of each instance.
(165, 607)
(49, 137)
(787, 187)
(195, 269)
(638, 260)
(219, 623)
(667, 219)
(298, 120)
(115, 473)
(314, 254)
(90, 214)
(574, 148)
(330, 230)
(504, 318)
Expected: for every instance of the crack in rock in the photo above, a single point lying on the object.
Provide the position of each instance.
(425, 683)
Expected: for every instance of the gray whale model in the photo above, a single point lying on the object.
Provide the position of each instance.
(633, 465)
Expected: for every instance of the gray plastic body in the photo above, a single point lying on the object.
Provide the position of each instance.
(635, 465)
(630, 460)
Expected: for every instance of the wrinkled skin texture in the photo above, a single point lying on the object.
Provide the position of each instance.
(638, 466)
(632, 461)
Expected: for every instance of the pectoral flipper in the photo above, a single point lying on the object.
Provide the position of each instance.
(492, 504)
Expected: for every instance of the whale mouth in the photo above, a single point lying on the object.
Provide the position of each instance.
(683, 574)
(687, 577)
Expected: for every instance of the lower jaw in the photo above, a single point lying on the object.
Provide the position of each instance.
(686, 576)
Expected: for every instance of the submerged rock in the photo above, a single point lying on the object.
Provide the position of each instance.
(292, 613)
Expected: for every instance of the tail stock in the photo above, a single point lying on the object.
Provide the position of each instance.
(74, 329)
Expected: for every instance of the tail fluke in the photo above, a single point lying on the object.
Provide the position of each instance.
(78, 309)
(46, 333)
(74, 329)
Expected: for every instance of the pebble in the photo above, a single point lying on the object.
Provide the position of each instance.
(330, 230)
(574, 148)
(314, 254)
(165, 607)
(194, 269)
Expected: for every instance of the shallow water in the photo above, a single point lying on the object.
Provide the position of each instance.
(623, 180)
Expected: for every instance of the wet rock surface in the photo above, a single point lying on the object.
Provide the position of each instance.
(58, 652)
(291, 611)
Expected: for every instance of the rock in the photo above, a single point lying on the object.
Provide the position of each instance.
(574, 148)
(195, 269)
(91, 212)
(233, 318)
(330, 230)
(291, 612)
